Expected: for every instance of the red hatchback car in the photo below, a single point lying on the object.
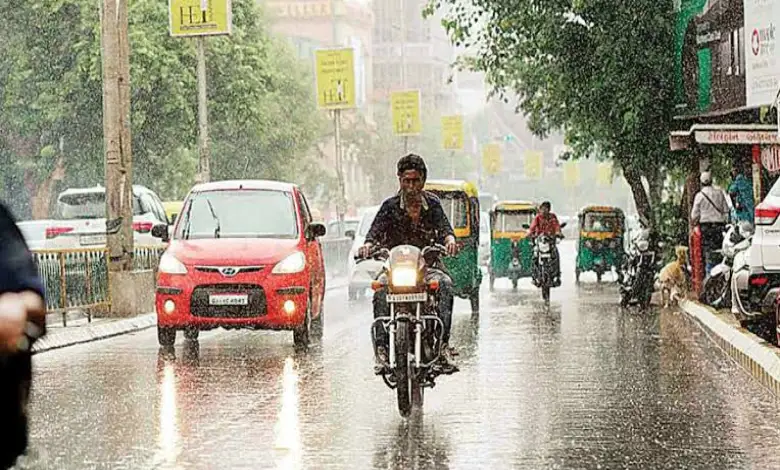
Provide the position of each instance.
(243, 254)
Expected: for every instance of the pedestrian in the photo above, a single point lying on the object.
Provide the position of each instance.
(741, 192)
(711, 213)
(22, 321)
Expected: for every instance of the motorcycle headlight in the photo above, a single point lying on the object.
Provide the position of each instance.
(544, 247)
(404, 277)
(588, 244)
(642, 245)
(170, 265)
(291, 265)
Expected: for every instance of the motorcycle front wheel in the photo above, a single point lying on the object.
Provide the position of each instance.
(713, 288)
(403, 369)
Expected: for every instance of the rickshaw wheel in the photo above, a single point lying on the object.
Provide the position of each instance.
(474, 298)
(514, 284)
(492, 282)
(577, 275)
(598, 276)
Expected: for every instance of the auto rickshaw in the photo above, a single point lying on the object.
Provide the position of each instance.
(600, 246)
(511, 252)
(461, 204)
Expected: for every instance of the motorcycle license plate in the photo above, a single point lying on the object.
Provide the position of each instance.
(544, 255)
(400, 298)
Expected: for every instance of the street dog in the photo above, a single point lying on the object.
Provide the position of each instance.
(672, 280)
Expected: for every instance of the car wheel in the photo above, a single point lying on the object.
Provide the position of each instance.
(191, 334)
(301, 335)
(318, 324)
(166, 336)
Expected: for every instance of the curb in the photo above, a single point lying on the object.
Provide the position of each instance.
(70, 336)
(758, 357)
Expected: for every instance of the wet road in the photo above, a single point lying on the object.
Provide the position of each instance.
(582, 386)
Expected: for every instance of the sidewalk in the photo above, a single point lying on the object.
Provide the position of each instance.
(79, 330)
(758, 357)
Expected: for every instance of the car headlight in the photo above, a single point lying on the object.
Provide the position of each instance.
(170, 265)
(404, 277)
(291, 265)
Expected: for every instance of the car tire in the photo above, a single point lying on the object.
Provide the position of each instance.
(191, 334)
(301, 334)
(166, 336)
(318, 324)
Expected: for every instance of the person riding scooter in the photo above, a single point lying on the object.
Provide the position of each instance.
(546, 223)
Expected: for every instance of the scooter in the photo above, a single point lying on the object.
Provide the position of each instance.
(720, 288)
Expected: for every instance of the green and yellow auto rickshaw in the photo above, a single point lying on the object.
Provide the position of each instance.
(511, 252)
(600, 246)
(461, 204)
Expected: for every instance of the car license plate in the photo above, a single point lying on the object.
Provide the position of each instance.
(88, 240)
(229, 299)
(398, 298)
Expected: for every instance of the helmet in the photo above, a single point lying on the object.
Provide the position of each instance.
(412, 162)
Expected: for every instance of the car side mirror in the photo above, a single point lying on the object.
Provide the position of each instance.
(161, 231)
(316, 230)
(173, 219)
(563, 225)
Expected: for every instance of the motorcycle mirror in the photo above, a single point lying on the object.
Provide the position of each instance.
(661, 244)
(526, 226)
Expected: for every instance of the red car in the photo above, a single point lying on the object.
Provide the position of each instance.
(243, 254)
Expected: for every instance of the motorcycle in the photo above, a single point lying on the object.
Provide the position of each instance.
(415, 330)
(638, 271)
(721, 285)
(545, 254)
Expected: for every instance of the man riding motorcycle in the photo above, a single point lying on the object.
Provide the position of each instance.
(412, 217)
(546, 223)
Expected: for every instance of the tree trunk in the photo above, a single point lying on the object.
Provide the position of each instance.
(41, 191)
(641, 199)
(655, 183)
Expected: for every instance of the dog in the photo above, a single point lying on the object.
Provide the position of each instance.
(672, 281)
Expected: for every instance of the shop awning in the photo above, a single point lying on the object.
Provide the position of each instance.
(724, 134)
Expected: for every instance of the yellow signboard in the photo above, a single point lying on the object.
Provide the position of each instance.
(405, 106)
(604, 174)
(335, 74)
(571, 173)
(200, 17)
(534, 161)
(452, 132)
(491, 158)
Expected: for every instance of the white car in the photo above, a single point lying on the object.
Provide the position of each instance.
(484, 239)
(34, 232)
(361, 274)
(82, 222)
(764, 254)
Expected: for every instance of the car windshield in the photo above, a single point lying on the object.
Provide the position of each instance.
(512, 221)
(87, 206)
(349, 225)
(238, 214)
(601, 222)
(455, 205)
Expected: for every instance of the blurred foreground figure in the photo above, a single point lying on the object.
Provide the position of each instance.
(22, 321)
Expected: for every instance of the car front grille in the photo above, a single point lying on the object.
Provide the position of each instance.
(256, 307)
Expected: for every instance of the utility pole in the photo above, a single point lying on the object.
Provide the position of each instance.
(403, 60)
(337, 146)
(116, 137)
(204, 154)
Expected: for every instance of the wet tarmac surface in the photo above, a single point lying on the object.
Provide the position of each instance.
(583, 386)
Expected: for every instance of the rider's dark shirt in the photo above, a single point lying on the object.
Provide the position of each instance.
(392, 225)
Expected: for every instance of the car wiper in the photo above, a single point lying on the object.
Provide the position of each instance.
(188, 223)
(216, 219)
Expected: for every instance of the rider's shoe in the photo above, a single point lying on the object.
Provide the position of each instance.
(446, 360)
(381, 361)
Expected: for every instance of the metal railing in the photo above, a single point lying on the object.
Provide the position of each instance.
(78, 278)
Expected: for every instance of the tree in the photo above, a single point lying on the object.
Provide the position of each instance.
(599, 70)
(261, 110)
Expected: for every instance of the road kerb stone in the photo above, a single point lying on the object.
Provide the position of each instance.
(69, 336)
(759, 358)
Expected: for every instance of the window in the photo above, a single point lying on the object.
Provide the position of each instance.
(88, 205)
(365, 224)
(512, 221)
(304, 209)
(456, 208)
(596, 222)
(239, 214)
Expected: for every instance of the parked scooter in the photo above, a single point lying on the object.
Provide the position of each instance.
(721, 286)
(639, 268)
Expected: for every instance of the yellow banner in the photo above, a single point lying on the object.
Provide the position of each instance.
(405, 106)
(200, 17)
(335, 75)
(491, 158)
(604, 174)
(571, 173)
(534, 163)
(452, 132)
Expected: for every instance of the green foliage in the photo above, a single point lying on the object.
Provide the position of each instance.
(262, 117)
(600, 70)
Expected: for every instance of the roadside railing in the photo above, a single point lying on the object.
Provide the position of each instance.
(77, 279)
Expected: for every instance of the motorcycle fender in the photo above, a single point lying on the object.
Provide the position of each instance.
(720, 270)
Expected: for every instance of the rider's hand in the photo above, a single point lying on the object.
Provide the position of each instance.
(451, 246)
(364, 251)
(14, 311)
